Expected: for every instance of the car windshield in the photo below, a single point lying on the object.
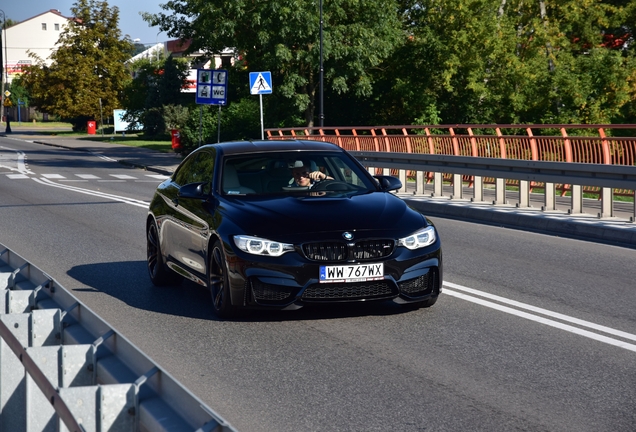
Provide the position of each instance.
(301, 173)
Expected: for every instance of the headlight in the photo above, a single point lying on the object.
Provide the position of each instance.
(259, 246)
(419, 239)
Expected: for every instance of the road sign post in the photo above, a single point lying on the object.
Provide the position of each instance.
(260, 84)
(20, 103)
(211, 90)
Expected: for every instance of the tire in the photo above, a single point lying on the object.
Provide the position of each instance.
(219, 283)
(159, 273)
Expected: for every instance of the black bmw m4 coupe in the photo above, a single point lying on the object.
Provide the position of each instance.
(282, 224)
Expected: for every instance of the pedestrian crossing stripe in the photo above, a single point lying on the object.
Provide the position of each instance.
(124, 177)
(261, 83)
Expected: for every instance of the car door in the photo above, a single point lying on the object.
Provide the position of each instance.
(188, 231)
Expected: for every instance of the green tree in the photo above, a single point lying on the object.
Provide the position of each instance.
(9, 23)
(18, 92)
(156, 84)
(87, 66)
(501, 61)
(282, 36)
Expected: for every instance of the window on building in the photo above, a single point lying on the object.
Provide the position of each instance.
(43, 26)
(57, 27)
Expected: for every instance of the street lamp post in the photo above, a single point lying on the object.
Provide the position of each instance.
(321, 113)
(3, 65)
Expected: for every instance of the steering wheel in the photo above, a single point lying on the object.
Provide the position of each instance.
(332, 185)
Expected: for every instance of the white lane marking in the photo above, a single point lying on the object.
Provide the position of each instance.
(87, 176)
(542, 311)
(74, 181)
(17, 176)
(158, 176)
(53, 176)
(123, 176)
(546, 321)
(20, 162)
(111, 181)
(121, 199)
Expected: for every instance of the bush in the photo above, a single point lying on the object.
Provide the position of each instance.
(174, 116)
(239, 121)
(80, 124)
(153, 121)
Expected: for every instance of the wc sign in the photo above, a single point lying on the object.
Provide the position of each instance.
(211, 87)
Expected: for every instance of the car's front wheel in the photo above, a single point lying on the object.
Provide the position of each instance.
(159, 273)
(219, 284)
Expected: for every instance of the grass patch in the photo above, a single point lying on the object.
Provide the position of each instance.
(541, 191)
(41, 125)
(133, 140)
(61, 130)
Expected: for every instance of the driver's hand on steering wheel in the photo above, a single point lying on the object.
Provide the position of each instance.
(319, 176)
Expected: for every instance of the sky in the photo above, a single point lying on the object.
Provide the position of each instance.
(130, 21)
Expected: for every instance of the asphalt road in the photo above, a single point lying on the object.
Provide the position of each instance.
(533, 332)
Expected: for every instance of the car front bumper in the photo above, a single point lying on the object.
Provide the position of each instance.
(291, 281)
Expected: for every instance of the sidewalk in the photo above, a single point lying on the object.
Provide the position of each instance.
(618, 230)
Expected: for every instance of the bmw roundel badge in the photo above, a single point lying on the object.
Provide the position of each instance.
(347, 236)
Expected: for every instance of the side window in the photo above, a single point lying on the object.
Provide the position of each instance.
(203, 170)
(196, 169)
(183, 174)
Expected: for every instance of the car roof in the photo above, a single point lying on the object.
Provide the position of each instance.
(258, 146)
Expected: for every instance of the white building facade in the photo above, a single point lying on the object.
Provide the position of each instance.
(38, 35)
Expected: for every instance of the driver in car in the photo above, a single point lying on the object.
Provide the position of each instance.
(304, 177)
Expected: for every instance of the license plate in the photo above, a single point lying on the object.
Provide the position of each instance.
(351, 273)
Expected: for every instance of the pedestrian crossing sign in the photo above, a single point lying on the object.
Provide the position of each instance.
(260, 83)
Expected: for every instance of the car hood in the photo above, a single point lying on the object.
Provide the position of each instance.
(292, 218)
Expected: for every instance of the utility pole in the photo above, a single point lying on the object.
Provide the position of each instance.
(4, 23)
(321, 114)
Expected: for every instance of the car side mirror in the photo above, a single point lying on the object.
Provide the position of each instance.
(192, 190)
(389, 183)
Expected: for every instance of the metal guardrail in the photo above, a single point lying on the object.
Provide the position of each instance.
(595, 143)
(607, 177)
(64, 368)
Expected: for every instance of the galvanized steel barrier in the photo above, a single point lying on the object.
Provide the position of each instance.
(606, 177)
(595, 144)
(64, 368)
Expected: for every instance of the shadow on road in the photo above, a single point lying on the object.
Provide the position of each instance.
(128, 281)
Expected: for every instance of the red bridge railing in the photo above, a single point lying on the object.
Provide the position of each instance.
(594, 144)
(600, 144)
